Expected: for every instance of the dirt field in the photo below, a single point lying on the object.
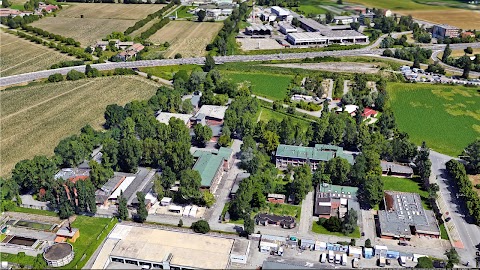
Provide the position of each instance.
(335, 66)
(187, 38)
(249, 44)
(33, 119)
(31, 56)
(475, 181)
(98, 20)
(464, 19)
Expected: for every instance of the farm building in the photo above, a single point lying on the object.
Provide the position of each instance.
(333, 200)
(276, 198)
(394, 169)
(160, 249)
(211, 166)
(445, 30)
(404, 217)
(240, 251)
(164, 117)
(299, 155)
(286, 222)
(258, 29)
(286, 28)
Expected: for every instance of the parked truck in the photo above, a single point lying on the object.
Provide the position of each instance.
(323, 258)
(338, 258)
(355, 263)
(344, 259)
(331, 256)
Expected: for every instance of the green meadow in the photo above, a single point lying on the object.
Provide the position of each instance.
(270, 86)
(446, 117)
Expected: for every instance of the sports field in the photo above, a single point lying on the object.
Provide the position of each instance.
(271, 86)
(31, 57)
(186, 37)
(446, 117)
(33, 119)
(98, 20)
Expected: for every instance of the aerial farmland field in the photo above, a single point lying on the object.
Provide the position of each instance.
(271, 86)
(98, 20)
(186, 37)
(32, 56)
(446, 117)
(33, 119)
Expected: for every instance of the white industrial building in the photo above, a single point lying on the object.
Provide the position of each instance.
(345, 19)
(281, 13)
(164, 117)
(286, 28)
(343, 37)
(240, 251)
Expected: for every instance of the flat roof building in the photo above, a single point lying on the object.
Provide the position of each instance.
(286, 28)
(213, 112)
(445, 30)
(240, 251)
(333, 200)
(390, 168)
(299, 155)
(164, 117)
(404, 217)
(155, 248)
(327, 37)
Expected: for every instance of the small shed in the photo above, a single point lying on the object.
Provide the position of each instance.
(276, 198)
(67, 233)
(307, 244)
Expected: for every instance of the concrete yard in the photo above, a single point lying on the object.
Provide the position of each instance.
(249, 44)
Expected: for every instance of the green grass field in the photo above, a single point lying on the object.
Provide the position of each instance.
(92, 232)
(310, 9)
(447, 118)
(267, 114)
(182, 12)
(270, 86)
(34, 211)
(396, 4)
(443, 232)
(317, 228)
(405, 185)
(167, 72)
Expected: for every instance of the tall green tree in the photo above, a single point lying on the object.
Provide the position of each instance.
(190, 183)
(99, 174)
(248, 224)
(372, 189)
(209, 63)
(423, 165)
(110, 153)
(200, 226)
(424, 263)
(203, 134)
(453, 257)
(471, 154)
(339, 169)
(71, 151)
(302, 182)
(122, 211)
(130, 152)
(349, 223)
(142, 212)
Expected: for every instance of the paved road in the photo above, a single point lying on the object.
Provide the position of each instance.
(314, 113)
(435, 58)
(469, 232)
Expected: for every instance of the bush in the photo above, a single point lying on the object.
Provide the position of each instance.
(477, 186)
(200, 226)
(74, 75)
(57, 77)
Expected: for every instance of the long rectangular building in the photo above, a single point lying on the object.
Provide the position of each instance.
(299, 155)
(154, 248)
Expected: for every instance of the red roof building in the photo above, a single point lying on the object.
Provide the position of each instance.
(467, 34)
(368, 113)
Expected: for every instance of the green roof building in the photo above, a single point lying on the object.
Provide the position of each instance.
(299, 155)
(211, 165)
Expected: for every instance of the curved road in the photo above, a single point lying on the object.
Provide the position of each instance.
(28, 77)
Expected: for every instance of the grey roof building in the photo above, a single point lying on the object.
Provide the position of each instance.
(404, 217)
(391, 168)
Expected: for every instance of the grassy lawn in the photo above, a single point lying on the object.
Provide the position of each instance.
(316, 228)
(271, 86)
(167, 72)
(92, 232)
(310, 9)
(19, 258)
(34, 211)
(443, 232)
(182, 12)
(446, 117)
(2, 236)
(34, 118)
(405, 185)
(267, 114)
(276, 209)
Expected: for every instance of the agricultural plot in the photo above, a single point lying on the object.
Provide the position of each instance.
(31, 57)
(271, 86)
(461, 18)
(186, 37)
(98, 20)
(447, 118)
(33, 119)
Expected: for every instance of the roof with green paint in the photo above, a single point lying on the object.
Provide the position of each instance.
(327, 188)
(208, 163)
(321, 152)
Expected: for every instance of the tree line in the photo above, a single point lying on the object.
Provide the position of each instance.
(144, 21)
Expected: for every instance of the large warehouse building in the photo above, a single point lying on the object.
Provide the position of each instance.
(319, 34)
(161, 249)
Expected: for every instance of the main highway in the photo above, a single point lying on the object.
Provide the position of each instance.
(32, 76)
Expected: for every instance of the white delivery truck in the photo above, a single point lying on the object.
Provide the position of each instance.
(331, 256)
(323, 257)
(355, 263)
(338, 258)
(402, 260)
(344, 259)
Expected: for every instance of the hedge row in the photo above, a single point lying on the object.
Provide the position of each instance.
(152, 30)
(43, 33)
(472, 201)
(143, 22)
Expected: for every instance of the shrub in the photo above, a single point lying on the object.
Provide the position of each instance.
(74, 75)
(200, 226)
(57, 77)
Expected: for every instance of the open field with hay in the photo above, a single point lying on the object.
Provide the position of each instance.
(31, 56)
(464, 19)
(186, 37)
(33, 119)
(446, 117)
(98, 20)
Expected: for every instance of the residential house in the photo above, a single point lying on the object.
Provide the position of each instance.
(299, 155)
(350, 109)
(286, 222)
(369, 113)
(164, 117)
(276, 198)
(8, 12)
(334, 200)
(131, 52)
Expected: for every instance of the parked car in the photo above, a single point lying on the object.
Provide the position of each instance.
(448, 219)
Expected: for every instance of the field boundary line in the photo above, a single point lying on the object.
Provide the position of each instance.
(179, 45)
(9, 43)
(45, 101)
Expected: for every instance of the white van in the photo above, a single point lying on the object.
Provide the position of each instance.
(331, 256)
(323, 257)
(344, 259)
